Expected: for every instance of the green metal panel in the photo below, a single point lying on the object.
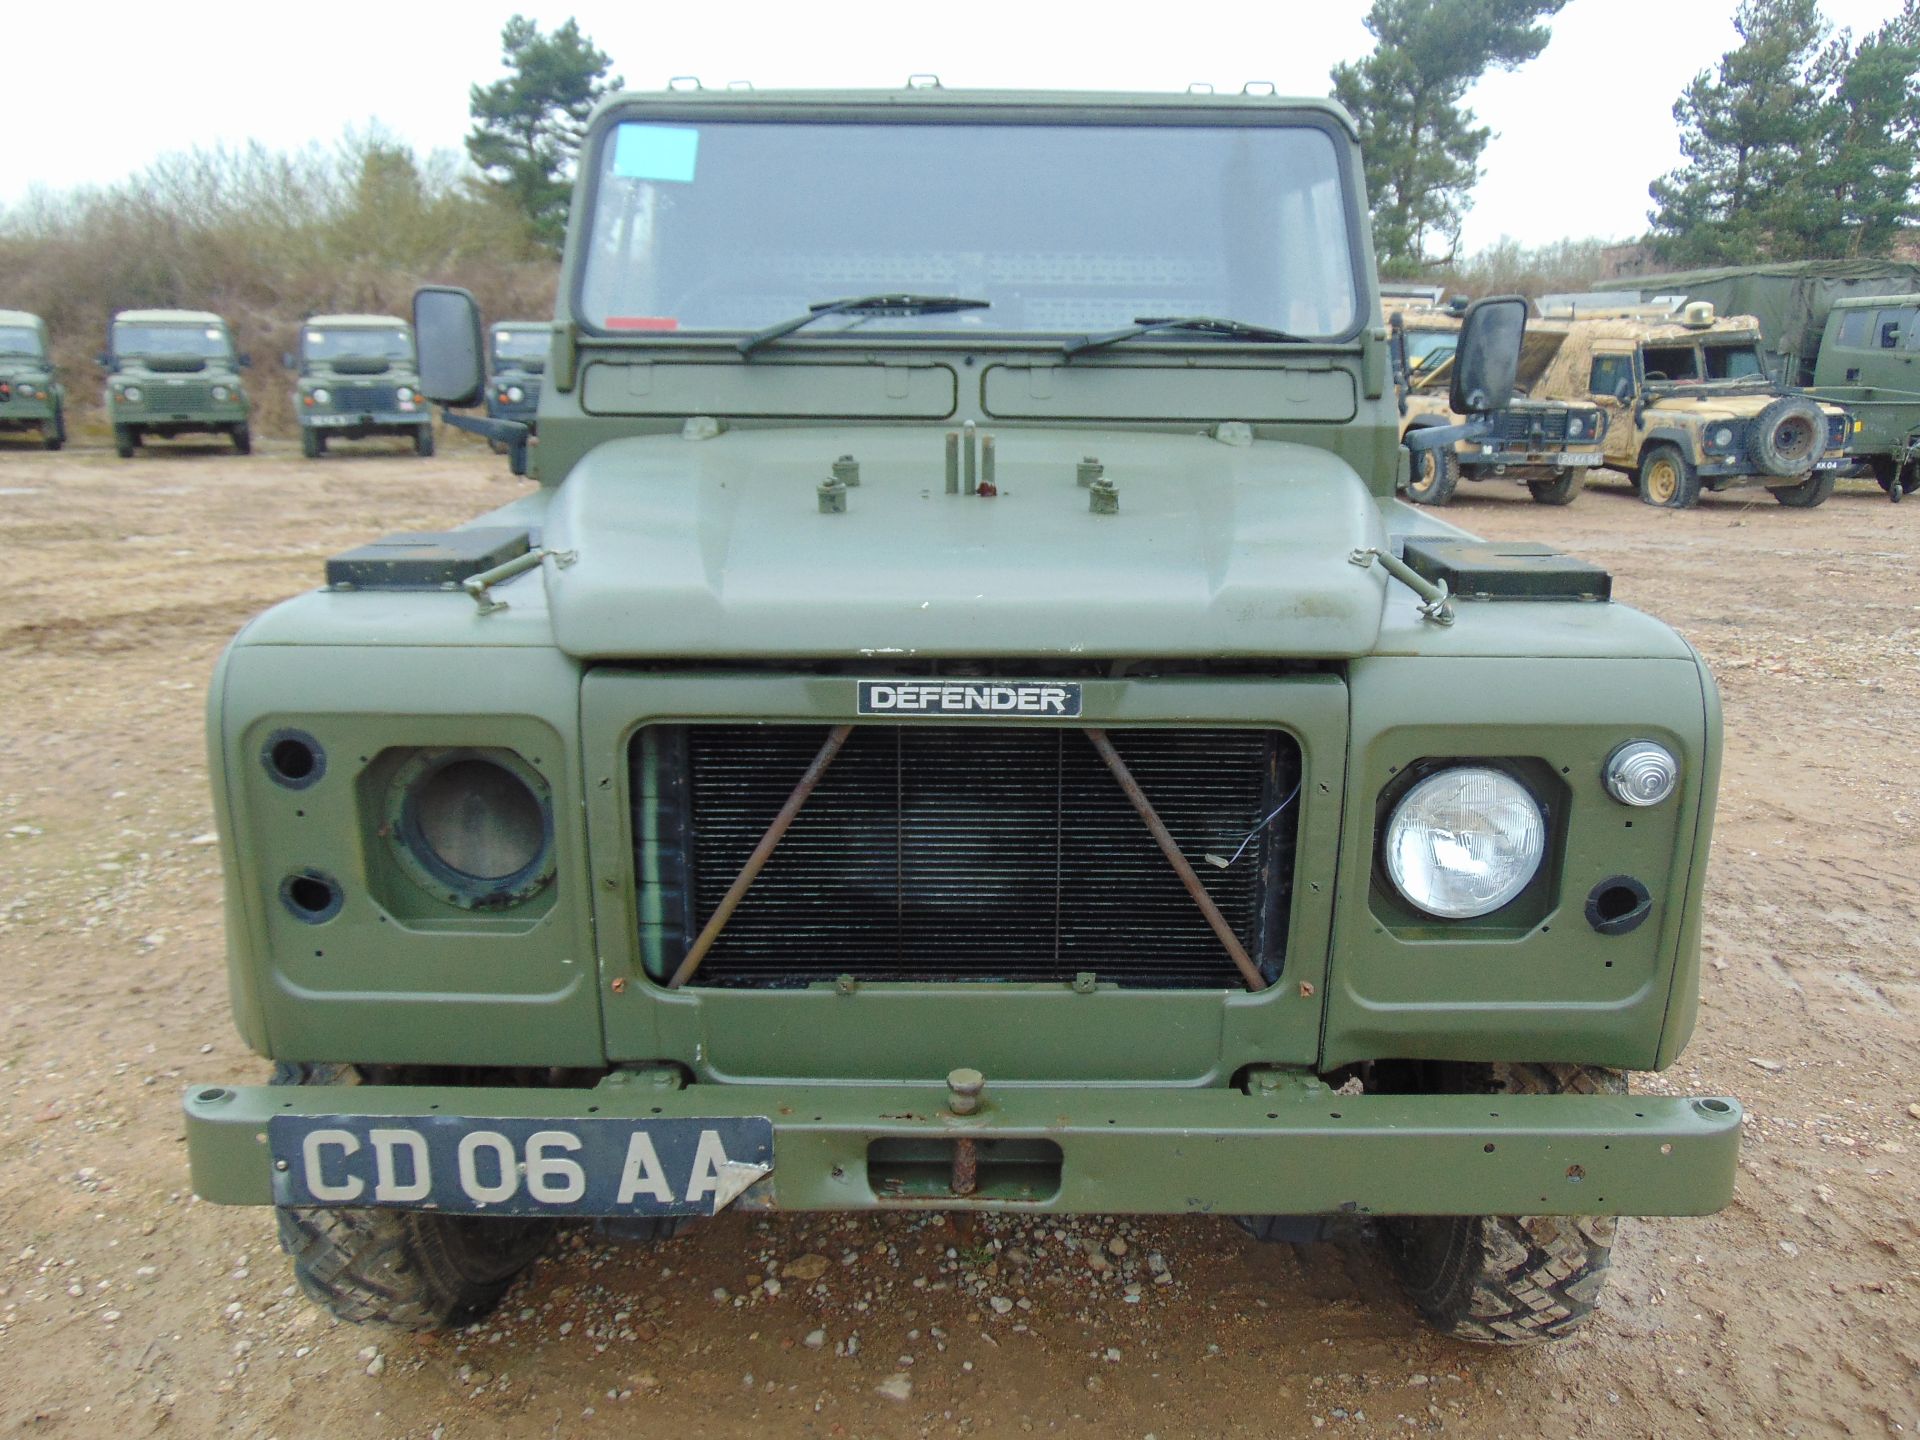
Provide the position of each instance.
(383, 980)
(1546, 987)
(892, 1032)
(1305, 1151)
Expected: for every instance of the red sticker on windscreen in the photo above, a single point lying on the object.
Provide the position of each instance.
(642, 322)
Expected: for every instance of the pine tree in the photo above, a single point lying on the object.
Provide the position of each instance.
(528, 126)
(1421, 146)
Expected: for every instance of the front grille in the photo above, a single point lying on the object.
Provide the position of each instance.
(1531, 429)
(364, 397)
(178, 394)
(962, 853)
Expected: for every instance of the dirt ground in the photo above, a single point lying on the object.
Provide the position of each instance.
(129, 1309)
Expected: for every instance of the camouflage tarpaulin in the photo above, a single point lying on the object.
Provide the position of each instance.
(1791, 300)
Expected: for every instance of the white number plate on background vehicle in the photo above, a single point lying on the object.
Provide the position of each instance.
(328, 421)
(1833, 464)
(465, 1165)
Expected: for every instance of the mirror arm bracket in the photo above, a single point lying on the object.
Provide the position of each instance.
(1436, 604)
(514, 434)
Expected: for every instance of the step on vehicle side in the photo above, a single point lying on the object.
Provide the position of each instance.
(31, 395)
(174, 372)
(1690, 406)
(517, 358)
(358, 376)
(987, 739)
(1546, 445)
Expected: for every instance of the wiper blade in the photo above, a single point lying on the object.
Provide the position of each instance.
(861, 305)
(1206, 324)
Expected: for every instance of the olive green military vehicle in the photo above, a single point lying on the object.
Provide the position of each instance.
(174, 372)
(358, 377)
(1546, 445)
(963, 723)
(31, 395)
(1690, 406)
(517, 359)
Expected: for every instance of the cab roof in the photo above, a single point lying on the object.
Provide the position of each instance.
(22, 317)
(363, 322)
(1852, 302)
(168, 317)
(1117, 105)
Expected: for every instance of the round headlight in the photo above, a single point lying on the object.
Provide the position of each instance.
(321, 395)
(516, 394)
(1641, 773)
(1465, 842)
(1723, 437)
(475, 826)
(131, 394)
(219, 392)
(1576, 427)
(405, 393)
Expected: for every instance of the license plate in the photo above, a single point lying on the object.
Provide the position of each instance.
(329, 421)
(466, 1165)
(1830, 464)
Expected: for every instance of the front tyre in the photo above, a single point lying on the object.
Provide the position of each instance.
(242, 438)
(1816, 489)
(126, 438)
(1558, 491)
(1668, 478)
(411, 1268)
(1510, 1280)
(312, 443)
(1432, 475)
(53, 434)
(423, 441)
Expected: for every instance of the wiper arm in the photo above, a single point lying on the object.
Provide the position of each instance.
(1150, 324)
(861, 305)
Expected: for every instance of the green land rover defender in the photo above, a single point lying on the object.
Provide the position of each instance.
(31, 395)
(174, 372)
(963, 723)
(358, 377)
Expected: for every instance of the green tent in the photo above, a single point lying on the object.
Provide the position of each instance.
(1790, 300)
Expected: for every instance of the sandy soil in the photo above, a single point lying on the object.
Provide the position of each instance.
(128, 1308)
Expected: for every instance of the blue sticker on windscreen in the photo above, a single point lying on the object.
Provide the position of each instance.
(655, 152)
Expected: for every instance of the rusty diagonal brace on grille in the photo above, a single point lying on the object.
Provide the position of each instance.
(1244, 962)
(763, 852)
(837, 737)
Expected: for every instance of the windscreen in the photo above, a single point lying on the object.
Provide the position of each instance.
(209, 342)
(331, 342)
(1428, 348)
(1064, 229)
(1733, 362)
(522, 344)
(19, 340)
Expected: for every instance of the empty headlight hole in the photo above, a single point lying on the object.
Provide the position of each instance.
(294, 759)
(474, 826)
(311, 895)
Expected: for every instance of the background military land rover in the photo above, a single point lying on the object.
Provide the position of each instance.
(954, 743)
(1690, 405)
(1847, 331)
(174, 372)
(31, 395)
(517, 356)
(1547, 445)
(359, 377)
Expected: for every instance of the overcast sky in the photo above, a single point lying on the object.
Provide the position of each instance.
(1579, 133)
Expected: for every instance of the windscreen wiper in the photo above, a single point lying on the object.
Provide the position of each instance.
(861, 305)
(1149, 324)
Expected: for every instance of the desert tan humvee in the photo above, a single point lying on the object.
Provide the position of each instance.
(1691, 406)
(1547, 445)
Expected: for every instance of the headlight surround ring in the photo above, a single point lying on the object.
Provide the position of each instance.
(1464, 841)
(472, 826)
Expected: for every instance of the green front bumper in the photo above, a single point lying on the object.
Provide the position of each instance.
(1297, 1149)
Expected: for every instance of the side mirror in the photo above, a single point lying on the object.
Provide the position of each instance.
(446, 324)
(1486, 359)
(1623, 392)
(246, 360)
(286, 360)
(103, 360)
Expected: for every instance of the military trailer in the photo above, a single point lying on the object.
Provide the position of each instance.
(987, 740)
(517, 356)
(1690, 406)
(31, 395)
(1822, 330)
(1547, 445)
(174, 372)
(358, 377)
